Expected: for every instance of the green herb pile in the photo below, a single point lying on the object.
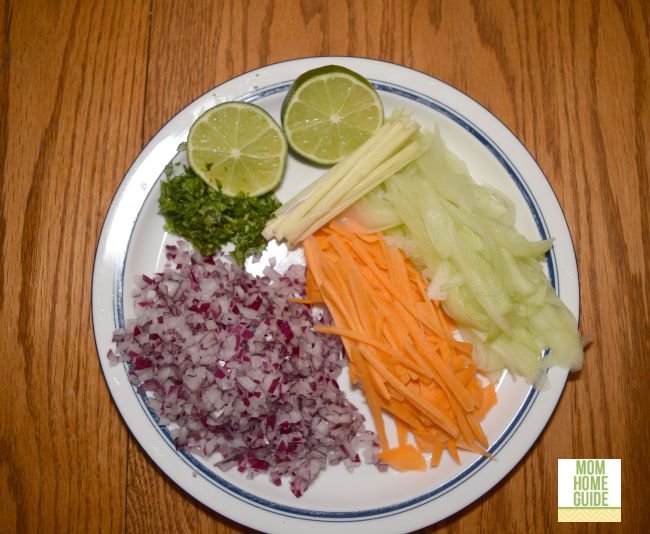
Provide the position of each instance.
(209, 219)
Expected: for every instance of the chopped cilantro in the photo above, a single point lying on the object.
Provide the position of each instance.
(209, 219)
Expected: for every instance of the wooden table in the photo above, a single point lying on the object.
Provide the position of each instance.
(84, 86)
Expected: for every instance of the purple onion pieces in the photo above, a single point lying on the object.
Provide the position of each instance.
(238, 370)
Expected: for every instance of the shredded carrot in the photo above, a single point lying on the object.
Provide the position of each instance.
(380, 383)
(451, 447)
(311, 288)
(436, 453)
(304, 301)
(404, 458)
(400, 344)
(396, 357)
(489, 400)
(402, 432)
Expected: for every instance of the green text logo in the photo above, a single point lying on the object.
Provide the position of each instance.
(589, 490)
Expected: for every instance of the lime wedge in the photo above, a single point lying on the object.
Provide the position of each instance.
(239, 148)
(329, 112)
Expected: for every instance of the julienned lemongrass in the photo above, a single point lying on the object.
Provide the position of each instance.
(389, 149)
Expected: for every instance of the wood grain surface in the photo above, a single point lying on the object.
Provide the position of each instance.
(84, 85)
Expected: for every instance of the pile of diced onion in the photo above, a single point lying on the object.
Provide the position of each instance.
(236, 371)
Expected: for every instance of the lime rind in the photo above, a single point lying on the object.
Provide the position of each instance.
(237, 147)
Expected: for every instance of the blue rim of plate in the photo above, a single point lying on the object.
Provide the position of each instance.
(442, 489)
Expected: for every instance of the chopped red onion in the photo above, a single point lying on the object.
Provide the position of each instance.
(240, 371)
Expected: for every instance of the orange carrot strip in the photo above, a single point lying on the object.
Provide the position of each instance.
(362, 338)
(379, 300)
(423, 441)
(311, 289)
(361, 367)
(451, 447)
(464, 347)
(404, 458)
(433, 412)
(353, 226)
(397, 259)
(473, 448)
(373, 403)
(477, 430)
(379, 324)
(303, 301)
(457, 363)
(361, 299)
(450, 380)
(402, 432)
(337, 309)
(489, 400)
(461, 419)
(476, 390)
(436, 454)
(445, 326)
(394, 393)
(417, 357)
(396, 327)
(352, 369)
(430, 305)
(392, 338)
(379, 383)
(465, 375)
(312, 255)
(383, 279)
(402, 410)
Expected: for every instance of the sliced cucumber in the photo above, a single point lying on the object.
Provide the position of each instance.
(490, 277)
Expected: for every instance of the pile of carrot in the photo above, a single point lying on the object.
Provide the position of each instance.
(400, 346)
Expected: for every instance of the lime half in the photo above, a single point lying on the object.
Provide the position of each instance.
(238, 147)
(329, 112)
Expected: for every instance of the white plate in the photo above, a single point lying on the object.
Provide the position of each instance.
(131, 243)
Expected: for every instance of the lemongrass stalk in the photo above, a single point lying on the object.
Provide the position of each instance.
(331, 205)
(357, 177)
(375, 150)
(326, 197)
(328, 179)
(378, 176)
(339, 169)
